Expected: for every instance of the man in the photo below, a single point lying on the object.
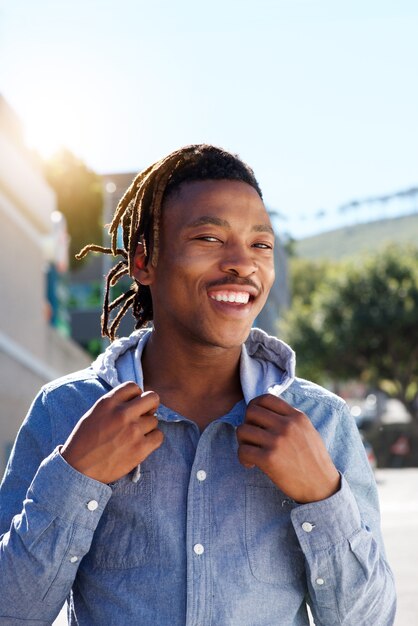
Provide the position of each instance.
(188, 477)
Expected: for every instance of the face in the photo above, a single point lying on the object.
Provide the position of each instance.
(215, 265)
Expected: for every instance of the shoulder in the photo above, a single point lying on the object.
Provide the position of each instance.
(61, 403)
(302, 390)
(83, 386)
(84, 376)
(327, 411)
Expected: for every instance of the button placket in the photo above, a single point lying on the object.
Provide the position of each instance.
(198, 531)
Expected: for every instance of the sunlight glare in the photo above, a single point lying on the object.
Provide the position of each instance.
(53, 124)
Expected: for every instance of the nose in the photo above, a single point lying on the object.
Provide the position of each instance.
(238, 260)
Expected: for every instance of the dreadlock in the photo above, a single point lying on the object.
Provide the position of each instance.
(139, 214)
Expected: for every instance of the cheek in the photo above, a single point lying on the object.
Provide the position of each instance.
(269, 276)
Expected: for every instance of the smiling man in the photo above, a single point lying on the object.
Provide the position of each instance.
(188, 477)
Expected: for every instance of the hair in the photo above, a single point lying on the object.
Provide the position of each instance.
(139, 214)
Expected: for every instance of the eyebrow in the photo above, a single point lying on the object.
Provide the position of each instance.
(217, 221)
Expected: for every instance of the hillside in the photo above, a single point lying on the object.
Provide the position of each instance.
(358, 239)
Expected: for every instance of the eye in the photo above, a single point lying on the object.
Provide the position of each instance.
(208, 238)
(262, 245)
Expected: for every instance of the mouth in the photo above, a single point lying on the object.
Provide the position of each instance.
(233, 303)
(231, 297)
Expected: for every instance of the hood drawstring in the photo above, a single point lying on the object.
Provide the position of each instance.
(136, 474)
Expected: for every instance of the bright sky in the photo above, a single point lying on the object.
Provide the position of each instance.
(319, 96)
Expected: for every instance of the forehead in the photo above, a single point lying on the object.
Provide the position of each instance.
(229, 200)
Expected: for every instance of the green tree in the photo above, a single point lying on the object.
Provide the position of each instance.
(361, 321)
(80, 199)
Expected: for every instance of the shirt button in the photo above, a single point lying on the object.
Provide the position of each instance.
(201, 475)
(307, 527)
(320, 581)
(92, 505)
(74, 559)
(198, 549)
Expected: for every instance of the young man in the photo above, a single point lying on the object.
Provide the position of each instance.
(188, 477)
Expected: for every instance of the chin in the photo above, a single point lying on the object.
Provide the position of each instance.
(229, 340)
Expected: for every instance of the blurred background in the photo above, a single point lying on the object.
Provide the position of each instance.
(319, 97)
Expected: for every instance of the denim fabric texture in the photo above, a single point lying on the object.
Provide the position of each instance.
(192, 538)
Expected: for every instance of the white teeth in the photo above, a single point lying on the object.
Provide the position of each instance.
(232, 296)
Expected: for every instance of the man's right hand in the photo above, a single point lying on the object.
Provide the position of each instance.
(115, 435)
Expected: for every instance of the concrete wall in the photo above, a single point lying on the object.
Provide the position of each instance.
(31, 351)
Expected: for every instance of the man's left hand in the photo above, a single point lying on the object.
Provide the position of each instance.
(282, 442)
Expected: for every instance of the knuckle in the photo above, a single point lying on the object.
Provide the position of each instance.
(269, 457)
(120, 413)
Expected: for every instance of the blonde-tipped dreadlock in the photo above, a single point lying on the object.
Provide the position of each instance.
(139, 214)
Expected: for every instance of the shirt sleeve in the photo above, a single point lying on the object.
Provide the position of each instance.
(349, 579)
(47, 530)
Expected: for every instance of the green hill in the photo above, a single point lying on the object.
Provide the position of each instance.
(359, 239)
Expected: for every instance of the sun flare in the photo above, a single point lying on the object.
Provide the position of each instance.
(53, 125)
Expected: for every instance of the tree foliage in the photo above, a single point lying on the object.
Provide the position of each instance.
(359, 320)
(80, 199)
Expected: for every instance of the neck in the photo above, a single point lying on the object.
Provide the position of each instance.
(192, 379)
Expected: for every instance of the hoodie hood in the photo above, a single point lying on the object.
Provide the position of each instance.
(267, 363)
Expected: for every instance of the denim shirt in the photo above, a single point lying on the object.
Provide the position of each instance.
(190, 537)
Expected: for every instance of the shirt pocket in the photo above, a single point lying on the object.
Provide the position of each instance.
(274, 553)
(124, 537)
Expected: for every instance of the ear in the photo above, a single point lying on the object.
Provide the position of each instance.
(143, 271)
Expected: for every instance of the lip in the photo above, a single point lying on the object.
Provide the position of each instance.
(232, 310)
(252, 291)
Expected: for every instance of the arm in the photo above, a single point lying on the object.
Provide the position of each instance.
(50, 506)
(44, 523)
(348, 578)
(337, 522)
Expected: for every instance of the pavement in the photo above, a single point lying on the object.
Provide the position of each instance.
(398, 491)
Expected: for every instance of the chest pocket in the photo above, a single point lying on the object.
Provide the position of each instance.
(124, 537)
(274, 553)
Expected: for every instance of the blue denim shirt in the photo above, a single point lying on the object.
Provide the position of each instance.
(191, 537)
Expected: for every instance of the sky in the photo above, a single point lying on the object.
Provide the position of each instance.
(320, 97)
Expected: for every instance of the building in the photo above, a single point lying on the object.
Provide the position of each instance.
(32, 351)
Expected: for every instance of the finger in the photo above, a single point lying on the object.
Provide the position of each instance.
(148, 444)
(153, 440)
(254, 435)
(249, 455)
(146, 424)
(265, 418)
(125, 392)
(145, 404)
(273, 403)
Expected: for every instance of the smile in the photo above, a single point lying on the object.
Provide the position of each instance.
(240, 297)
